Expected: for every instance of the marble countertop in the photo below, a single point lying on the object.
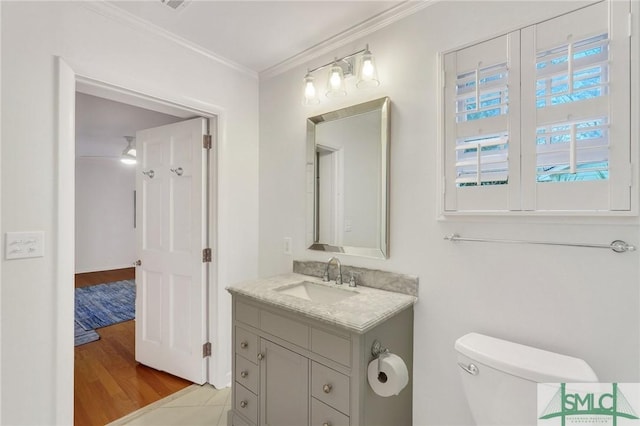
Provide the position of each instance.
(359, 313)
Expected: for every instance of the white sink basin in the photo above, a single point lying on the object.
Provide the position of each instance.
(315, 292)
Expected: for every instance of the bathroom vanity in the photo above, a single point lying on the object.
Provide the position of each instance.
(301, 348)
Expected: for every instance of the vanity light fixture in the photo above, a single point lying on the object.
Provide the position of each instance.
(335, 81)
(129, 154)
(367, 73)
(339, 69)
(310, 93)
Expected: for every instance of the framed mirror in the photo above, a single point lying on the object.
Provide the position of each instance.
(348, 180)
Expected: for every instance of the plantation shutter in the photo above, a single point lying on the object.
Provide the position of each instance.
(575, 131)
(482, 137)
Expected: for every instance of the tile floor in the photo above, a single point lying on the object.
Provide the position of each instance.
(192, 406)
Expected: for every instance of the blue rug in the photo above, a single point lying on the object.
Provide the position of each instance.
(83, 336)
(105, 304)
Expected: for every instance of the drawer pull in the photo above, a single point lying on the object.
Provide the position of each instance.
(244, 404)
(244, 345)
(326, 424)
(260, 356)
(327, 388)
(244, 374)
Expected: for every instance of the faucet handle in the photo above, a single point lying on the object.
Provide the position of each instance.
(352, 281)
(339, 278)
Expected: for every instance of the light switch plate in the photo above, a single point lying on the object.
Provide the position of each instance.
(287, 245)
(21, 245)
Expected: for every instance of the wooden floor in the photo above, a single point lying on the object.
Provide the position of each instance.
(93, 278)
(109, 383)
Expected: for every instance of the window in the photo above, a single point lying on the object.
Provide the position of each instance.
(538, 119)
(482, 94)
(573, 151)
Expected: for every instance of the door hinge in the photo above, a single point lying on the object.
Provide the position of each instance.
(206, 350)
(206, 141)
(206, 255)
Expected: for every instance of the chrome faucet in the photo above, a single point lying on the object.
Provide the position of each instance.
(326, 271)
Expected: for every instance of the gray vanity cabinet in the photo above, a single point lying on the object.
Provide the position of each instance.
(284, 386)
(290, 370)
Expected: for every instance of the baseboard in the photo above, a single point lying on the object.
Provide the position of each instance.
(103, 269)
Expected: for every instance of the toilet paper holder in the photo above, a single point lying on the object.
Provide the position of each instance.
(378, 351)
(387, 373)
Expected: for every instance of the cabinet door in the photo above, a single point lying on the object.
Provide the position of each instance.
(284, 386)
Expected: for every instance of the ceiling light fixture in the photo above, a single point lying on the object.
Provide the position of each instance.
(175, 4)
(129, 154)
(339, 69)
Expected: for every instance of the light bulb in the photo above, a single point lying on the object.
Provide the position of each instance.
(310, 90)
(367, 75)
(335, 80)
(310, 94)
(367, 68)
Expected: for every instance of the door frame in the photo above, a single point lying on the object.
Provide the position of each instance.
(337, 197)
(68, 83)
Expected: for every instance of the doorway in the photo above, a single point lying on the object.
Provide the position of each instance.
(330, 194)
(119, 335)
(108, 383)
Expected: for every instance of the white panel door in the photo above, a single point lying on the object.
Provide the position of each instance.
(171, 234)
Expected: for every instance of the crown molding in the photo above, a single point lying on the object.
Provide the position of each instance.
(123, 17)
(356, 32)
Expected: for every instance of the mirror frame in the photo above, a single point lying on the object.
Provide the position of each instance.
(384, 106)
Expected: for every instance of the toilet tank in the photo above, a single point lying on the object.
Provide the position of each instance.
(501, 389)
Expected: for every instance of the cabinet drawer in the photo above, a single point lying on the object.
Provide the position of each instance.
(246, 344)
(246, 374)
(246, 403)
(330, 387)
(248, 314)
(331, 346)
(322, 414)
(285, 328)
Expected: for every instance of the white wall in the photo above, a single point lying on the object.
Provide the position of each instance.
(581, 302)
(105, 236)
(100, 46)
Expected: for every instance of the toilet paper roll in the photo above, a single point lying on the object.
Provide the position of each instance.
(389, 376)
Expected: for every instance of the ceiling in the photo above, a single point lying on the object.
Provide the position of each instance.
(256, 34)
(102, 124)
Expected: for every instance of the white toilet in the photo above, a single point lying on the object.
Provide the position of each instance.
(499, 378)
